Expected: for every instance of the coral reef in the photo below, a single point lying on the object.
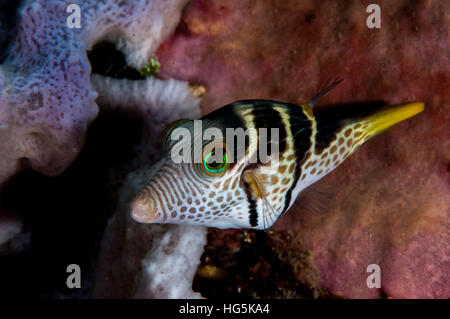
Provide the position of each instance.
(46, 102)
(257, 264)
(169, 267)
(390, 202)
(48, 98)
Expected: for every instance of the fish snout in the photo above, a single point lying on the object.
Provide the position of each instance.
(143, 208)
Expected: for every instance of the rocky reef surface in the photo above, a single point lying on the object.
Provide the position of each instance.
(390, 201)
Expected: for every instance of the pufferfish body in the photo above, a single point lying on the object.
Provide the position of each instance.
(241, 189)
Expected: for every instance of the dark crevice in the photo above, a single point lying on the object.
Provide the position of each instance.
(65, 216)
(106, 60)
(8, 24)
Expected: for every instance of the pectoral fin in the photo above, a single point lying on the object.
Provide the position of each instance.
(269, 213)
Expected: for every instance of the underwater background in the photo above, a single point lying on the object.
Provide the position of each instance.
(81, 108)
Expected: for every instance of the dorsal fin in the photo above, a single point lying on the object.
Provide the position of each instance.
(324, 91)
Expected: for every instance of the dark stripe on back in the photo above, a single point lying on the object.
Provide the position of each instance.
(301, 130)
(326, 133)
(265, 116)
(330, 120)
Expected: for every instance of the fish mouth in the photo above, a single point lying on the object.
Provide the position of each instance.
(143, 209)
(388, 116)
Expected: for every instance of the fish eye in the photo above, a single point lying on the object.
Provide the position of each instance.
(215, 160)
(213, 165)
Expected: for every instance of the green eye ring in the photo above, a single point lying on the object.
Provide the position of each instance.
(214, 168)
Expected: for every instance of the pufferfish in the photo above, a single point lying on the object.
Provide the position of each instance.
(239, 191)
